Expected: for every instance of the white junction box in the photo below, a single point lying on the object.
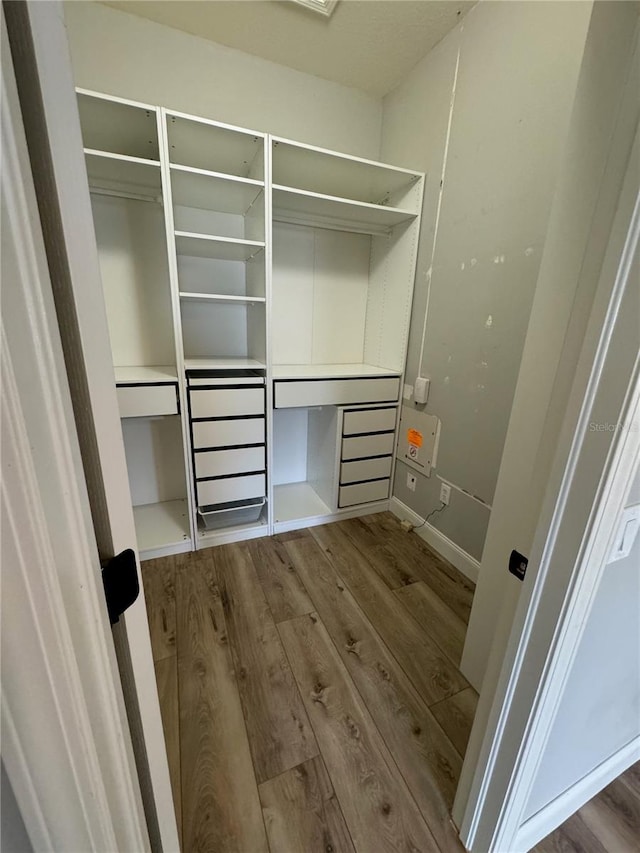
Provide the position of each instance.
(417, 439)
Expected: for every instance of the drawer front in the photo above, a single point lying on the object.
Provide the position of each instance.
(335, 392)
(139, 401)
(225, 433)
(365, 469)
(217, 463)
(363, 493)
(378, 444)
(369, 420)
(226, 402)
(230, 489)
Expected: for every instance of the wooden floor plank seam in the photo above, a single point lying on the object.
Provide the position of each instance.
(411, 675)
(387, 753)
(367, 704)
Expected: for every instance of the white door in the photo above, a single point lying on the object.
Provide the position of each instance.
(47, 100)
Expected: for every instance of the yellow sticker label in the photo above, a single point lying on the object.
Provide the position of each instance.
(414, 437)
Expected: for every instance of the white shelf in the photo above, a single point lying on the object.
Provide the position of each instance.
(108, 124)
(328, 371)
(161, 526)
(218, 297)
(213, 190)
(220, 248)
(203, 144)
(136, 374)
(119, 171)
(223, 364)
(293, 205)
(297, 500)
(318, 170)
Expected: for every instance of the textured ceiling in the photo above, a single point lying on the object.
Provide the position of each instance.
(368, 44)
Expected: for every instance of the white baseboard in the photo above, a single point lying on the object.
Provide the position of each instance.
(557, 811)
(467, 564)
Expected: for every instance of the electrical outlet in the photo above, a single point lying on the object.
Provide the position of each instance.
(445, 493)
(411, 482)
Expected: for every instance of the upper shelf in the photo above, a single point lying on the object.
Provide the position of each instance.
(109, 124)
(117, 171)
(222, 364)
(306, 167)
(135, 375)
(327, 371)
(212, 190)
(208, 145)
(220, 248)
(316, 209)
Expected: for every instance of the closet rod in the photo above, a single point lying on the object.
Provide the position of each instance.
(124, 194)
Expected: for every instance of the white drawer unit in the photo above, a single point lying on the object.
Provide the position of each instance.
(335, 392)
(362, 493)
(365, 469)
(361, 421)
(144, 401)
(218, 463)
(229, 489)
(226, 433)
(226, 402)
(363, 446)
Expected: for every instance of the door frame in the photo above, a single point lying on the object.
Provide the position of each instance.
(66, 745)
(589, 481)
(38, 43)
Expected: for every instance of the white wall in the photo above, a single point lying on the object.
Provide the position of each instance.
(579, 228)
(517, 67)
(600, 710)
(121, 54)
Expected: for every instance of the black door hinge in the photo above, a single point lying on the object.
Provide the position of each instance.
(121, 586)
(518, 565)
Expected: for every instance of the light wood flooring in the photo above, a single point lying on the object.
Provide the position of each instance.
(310, 690)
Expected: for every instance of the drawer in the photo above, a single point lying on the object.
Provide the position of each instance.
(361, 446)
(226, 402)
(224, 433)
(363, 493)
(140, 401)
(229, 489)
(369, 420)
(217, 463)
(365, 469)
(335, 392)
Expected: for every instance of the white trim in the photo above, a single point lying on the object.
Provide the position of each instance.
(62, 704)
(50, 113)
(557, 811)
(465, 563)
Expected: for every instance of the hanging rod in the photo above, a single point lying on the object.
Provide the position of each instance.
(124, 194)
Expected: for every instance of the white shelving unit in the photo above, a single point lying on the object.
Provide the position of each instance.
(122, 155)
(273, 288)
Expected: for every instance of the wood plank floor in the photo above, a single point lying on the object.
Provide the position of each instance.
(312, 702)
(310, 691)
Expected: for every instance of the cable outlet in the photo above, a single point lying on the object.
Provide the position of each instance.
(445, 493)
(411, 482)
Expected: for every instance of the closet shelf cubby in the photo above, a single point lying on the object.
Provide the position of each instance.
(219, 248)
(215, 191)
(312, 208)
